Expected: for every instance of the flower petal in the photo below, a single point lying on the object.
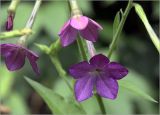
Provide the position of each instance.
(32, 57)
(99, 60)
(67, 24)
(6, 48)
(79, 23)
(83, 88)
(80, 70)
(9, 23)
(96, 24)
(15, 59)
(90, 32)
(116, 70)
(68, 36)
(107, 87)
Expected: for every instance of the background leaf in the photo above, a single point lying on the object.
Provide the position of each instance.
(152, 34)
(6, 81)
(56, 103)
(116, 23)
(135, 89)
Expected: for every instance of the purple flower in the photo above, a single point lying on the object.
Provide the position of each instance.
(83, 25)
(9, 22)
(15, 55)
(99, 73)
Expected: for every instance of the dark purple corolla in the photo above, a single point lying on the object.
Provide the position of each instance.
(9, 22)
(99, 73)
(83, 25)
(15, 55)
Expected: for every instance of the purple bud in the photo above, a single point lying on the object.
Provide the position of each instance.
(9, 22)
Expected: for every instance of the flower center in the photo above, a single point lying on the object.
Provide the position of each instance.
(96, 72)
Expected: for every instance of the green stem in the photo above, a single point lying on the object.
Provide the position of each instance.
(31, 20)
(101, 104)
(82, 49)
(60, 70)
(120, 27)
(13, 6)
(15, 33)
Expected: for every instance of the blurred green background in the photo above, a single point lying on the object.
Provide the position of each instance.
(135, 50)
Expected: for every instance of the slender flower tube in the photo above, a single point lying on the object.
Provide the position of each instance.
(15, 54)
(11, 14)
(78, 24)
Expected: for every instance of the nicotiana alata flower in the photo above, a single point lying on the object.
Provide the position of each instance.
(15, 55)
(83, 25)
(9, 22)
(98, 73)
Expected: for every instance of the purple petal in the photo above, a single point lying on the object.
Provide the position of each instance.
(83, 88)
(64, 27)
(99, 60)
(116, 70)
(96, 24)
(9, 23)
(32, 57)
(15, 59)
(79, 23)
(68, 36)
(90, 32)
(6, 48)
(80, 70)
(107, 87)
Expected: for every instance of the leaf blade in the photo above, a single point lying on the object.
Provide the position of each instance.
(116, 22)
(140, 12)
(55, 102)
(136, 90)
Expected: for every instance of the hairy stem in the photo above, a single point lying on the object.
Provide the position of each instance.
(15, 33)
(13, 6)
(55, 60)
(31, 20)
(120, 27)
(101, 104)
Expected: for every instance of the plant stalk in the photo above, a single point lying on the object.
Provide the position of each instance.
(120, 27)
(31, 20)
(55, 60)
(77, 12)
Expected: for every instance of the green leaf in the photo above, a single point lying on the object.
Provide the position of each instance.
(139, 10)
(116, 23)
(130, 86)
(6, 82)
(55, 102)
(17, 104)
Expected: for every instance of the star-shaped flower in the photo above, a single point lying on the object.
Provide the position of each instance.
(15, 55)
(98, 73)
(83, 25)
